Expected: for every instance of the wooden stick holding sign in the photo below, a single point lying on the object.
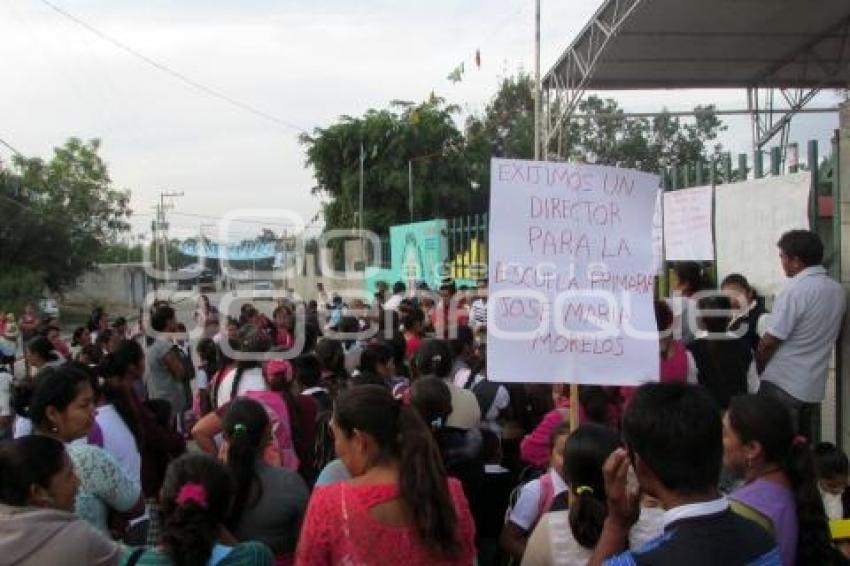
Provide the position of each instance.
(574, 404)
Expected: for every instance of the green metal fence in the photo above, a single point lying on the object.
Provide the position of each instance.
(467, 238)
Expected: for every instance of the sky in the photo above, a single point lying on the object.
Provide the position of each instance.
(300, 64)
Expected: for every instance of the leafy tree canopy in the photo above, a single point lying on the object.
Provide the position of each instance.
(58, 217)
(423, 135)
(451, 169)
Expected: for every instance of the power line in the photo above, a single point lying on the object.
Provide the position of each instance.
(11, 147)
(173, 73)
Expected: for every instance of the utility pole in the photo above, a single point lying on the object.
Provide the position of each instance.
(162, 227)
(360, 217)
(155, 244)
(285, 261)
(537, 93)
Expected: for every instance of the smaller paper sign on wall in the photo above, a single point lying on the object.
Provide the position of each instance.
(687, 225)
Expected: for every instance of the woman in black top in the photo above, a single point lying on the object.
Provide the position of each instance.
(721, 357)
(748, 306)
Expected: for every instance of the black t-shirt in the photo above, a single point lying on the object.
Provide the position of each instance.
(723, 538)
(751, 320)
(722, 366)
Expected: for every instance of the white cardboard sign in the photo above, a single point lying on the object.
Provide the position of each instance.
(687, 225)
(751, 216)
(571, 274)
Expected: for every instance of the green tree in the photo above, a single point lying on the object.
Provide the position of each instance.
(424, 133)
(58, 216)
(120, 252)
(505, 129)
(451, 169)
(604, 135)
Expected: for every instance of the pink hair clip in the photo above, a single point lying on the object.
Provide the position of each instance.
(194, 492)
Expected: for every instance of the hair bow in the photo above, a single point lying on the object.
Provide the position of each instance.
(194, 493)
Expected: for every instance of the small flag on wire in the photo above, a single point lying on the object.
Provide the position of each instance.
(478, 58)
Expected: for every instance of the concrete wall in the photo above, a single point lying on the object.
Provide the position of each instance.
(125, 284)
(111, 284)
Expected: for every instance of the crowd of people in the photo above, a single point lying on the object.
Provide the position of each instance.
(327, 433)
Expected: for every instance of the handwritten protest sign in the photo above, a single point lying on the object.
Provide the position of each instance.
(571, 279)
(687, 225)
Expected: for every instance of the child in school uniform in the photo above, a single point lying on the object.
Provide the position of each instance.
(831, 467)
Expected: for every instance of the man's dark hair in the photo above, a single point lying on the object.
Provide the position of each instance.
(399, 287)
(802, 244)
(676, 431)
(160, 317)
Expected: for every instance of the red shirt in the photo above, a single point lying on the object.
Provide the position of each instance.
(412, 344)
(338, 529)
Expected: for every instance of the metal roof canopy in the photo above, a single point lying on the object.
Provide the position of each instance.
(795, 46)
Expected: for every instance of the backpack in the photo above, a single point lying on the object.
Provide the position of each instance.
(281, 452)
(544, 501)
(485, 392)
(283, 447)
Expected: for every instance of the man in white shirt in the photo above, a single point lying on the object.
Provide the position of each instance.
(793, 356)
